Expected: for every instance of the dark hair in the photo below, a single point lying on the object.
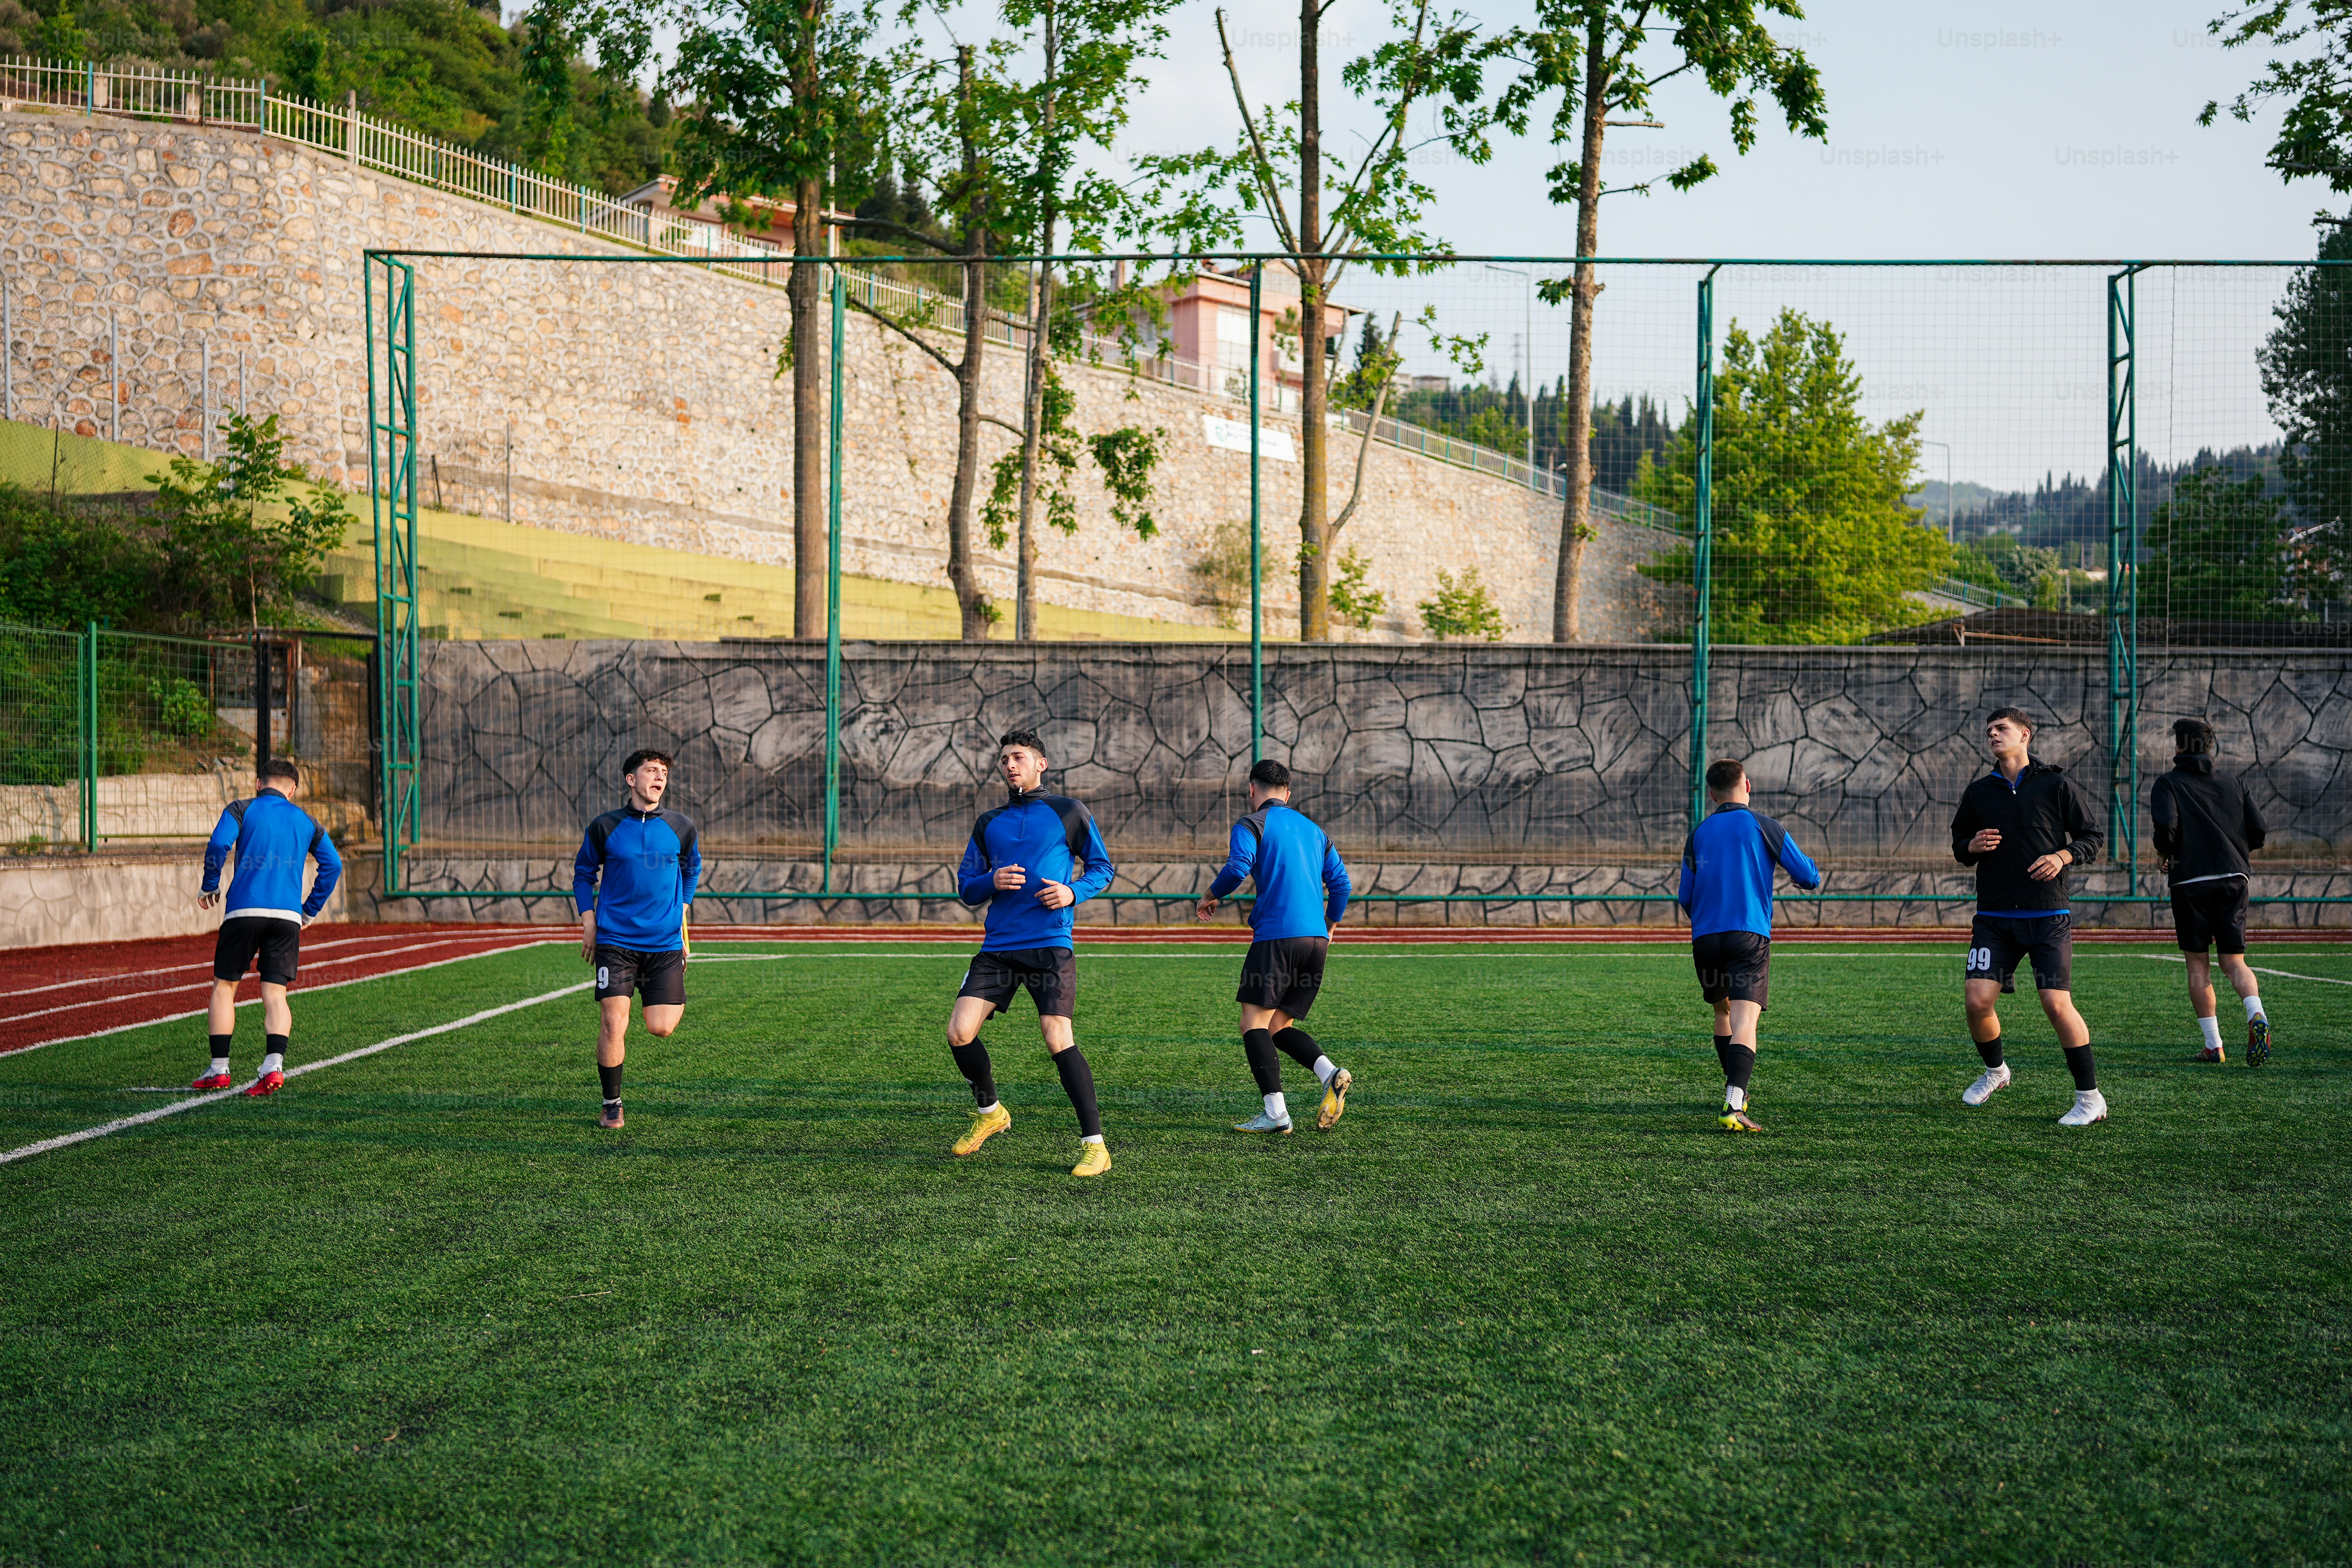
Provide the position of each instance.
(2017, 716)
(1723, 778)
(279, 768)
(2190, 736)
(643, 755)
(1271, 773)
(1021, 738)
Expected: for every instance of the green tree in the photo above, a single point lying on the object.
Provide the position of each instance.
(773, 98)
(2310, 71)
(242, 522)
(1812, 543)
(1354, 600)
(2218, 550)
(1330, 206)
(1461, 607)
(2307, 368)
(1598, 57)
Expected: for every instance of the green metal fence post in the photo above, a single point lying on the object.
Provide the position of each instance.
(392, 504)
(1703, 547)
(1257, 560)
(89, 705)
(2122, 574)
(833, 590)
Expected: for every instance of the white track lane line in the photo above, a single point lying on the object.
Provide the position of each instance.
(68, 1139)
(487, 932)
(176, 990)
(256, 1002)
(2282, 973)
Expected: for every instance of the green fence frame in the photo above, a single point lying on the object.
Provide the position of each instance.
(391, 486)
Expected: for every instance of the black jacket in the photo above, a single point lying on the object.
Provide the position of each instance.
(2041, 815)
(2205, 825)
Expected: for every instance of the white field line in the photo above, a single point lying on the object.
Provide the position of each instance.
(206, 963)
(68, 1139)
(176, 990)
(256, 1002)
(2282, 973)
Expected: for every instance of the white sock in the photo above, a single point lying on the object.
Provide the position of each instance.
(1736, 1099)
(2253, 1007)
(1095, 1139)
(1276, 1109)
(274, 1062)
(1325, 1067)
(2212, 1029)
(220, 1066)
(990, 1108)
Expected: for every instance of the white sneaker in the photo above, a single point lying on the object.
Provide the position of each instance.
(2090, 1105)
(1262, 1122)
(1990, 1079)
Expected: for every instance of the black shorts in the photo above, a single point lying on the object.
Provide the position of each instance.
(1284, 973)
(2207, 914)
(1733, 965)
(1050, 975)
(658, 978)
(1997, 943)
(276, 942)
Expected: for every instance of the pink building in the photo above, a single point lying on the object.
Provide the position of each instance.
(1209, 327)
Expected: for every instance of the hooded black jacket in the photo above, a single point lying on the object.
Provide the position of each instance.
(2041, 815)
(2205, 825)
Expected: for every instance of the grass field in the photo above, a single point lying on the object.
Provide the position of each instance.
(1526, 1303)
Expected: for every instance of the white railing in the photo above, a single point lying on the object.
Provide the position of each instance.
(367, 143)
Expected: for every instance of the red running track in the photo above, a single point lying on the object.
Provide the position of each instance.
(66, 993)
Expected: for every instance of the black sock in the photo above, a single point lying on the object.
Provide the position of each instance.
(221, 1043)
(273, 1043)
(1738, 1062)
(612, 1077)
(972, 1061)
(2078, 1062)
(1078, 1083)
(1723, 1055)
(1257, 1044)
(1991, 1051)
(1299, 1045)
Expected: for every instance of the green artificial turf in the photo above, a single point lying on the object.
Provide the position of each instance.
(1527, 1303)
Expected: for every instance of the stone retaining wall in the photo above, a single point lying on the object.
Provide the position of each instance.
(1456, 755)
(642, 402)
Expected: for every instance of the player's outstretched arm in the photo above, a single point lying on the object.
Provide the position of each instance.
(216, 851)
(1964, 832)
(1798, 865)
(2257, 830)
(1337, 887)
(1098, 870)
(2163, 812)
(585, 865)
(329, 873)
(2084, 835)
(1241, 857)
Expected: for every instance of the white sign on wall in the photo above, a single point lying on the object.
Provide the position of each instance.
(1233, 436)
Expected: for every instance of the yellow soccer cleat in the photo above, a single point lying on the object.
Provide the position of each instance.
(1094, 1159)
(1335, 1101)
(986, 1125)
(1738, 1120)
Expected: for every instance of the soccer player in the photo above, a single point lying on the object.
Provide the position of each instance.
(2020, 825)
(270, 836)
(2206, 829)
(1032, 861)
(1302, 892)
(632, 884)
(1727, 890)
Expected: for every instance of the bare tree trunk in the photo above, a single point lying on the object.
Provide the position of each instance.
(1033, 410)
(808, 415)
(1314, 535)
(1575, 524)
(971, 604)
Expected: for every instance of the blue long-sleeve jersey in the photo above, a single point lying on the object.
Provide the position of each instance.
(1728, 864)
(647, 863)
(272, 836)
(1302, 883)
(1054, 840)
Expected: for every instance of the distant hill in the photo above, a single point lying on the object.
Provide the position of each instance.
(2067, 514)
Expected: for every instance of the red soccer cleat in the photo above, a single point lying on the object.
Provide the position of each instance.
(268, 1083)
(212, 1080)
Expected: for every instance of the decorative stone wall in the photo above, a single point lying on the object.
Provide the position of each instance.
(642, 402)
(1465, 757)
